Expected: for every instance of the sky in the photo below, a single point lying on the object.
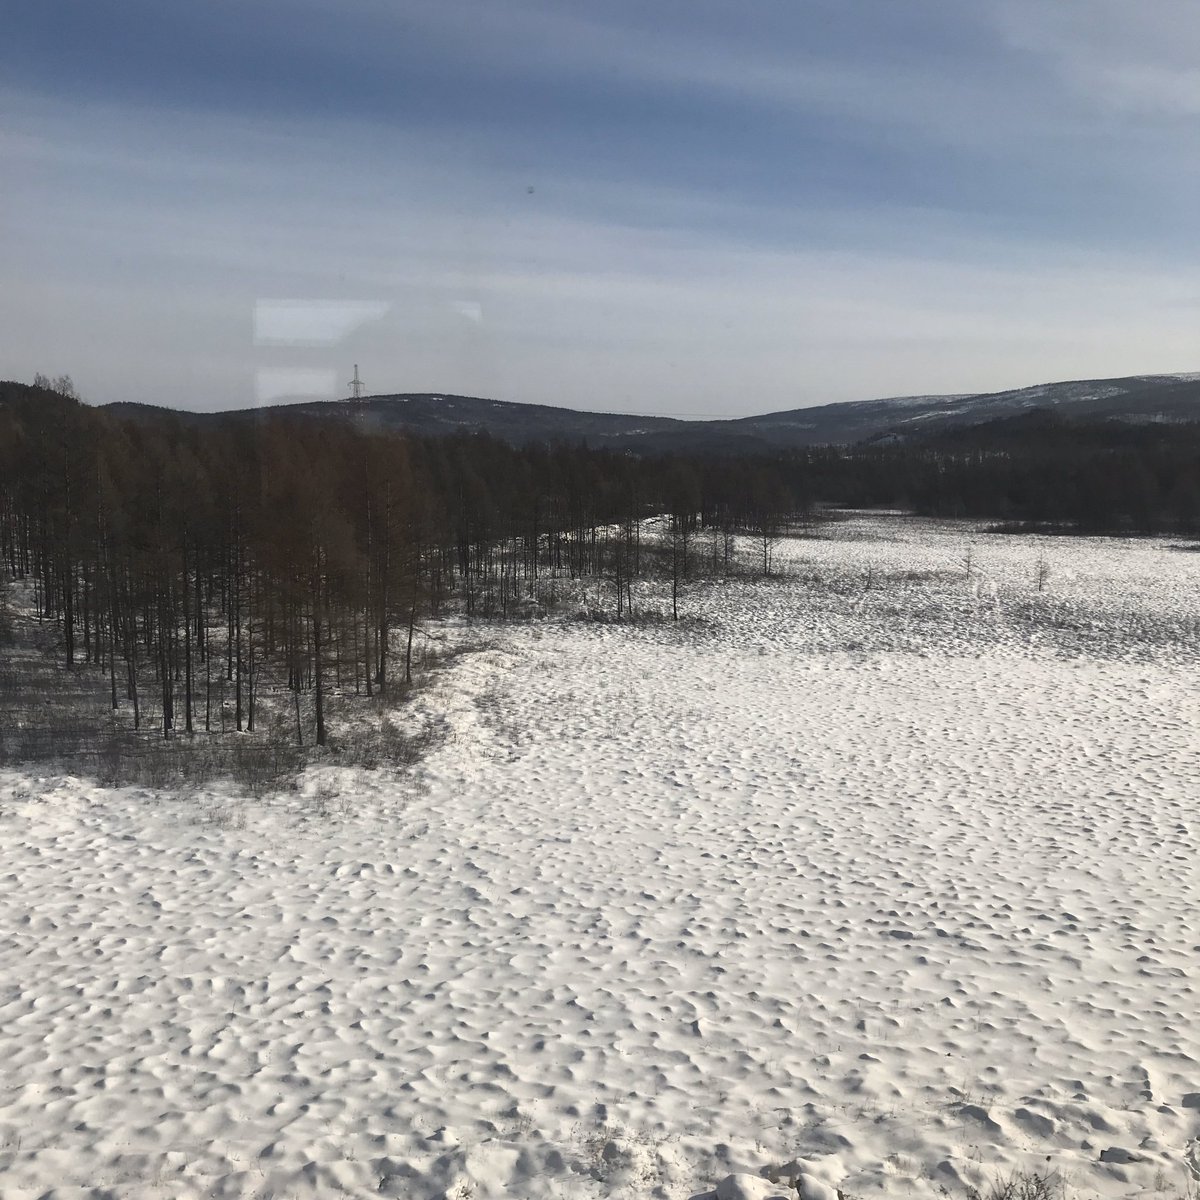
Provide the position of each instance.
(680, 207)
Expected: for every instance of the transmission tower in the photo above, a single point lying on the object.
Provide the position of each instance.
(356, 385)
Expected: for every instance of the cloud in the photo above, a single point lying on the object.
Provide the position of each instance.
(597, 207)
(1116, 56)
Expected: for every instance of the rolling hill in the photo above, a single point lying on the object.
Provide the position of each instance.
(1137, 398)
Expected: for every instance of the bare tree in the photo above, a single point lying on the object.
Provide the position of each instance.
(1042, 573)
(61, 384)
(768, 517)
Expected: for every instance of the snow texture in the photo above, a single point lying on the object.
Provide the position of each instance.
(896, 884)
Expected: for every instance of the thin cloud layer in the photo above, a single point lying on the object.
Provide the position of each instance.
(697, 208)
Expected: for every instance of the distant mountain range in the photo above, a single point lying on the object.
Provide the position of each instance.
(1136, 398)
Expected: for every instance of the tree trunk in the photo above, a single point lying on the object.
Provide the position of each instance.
(412, 623)
(187, 645)
(317, 652)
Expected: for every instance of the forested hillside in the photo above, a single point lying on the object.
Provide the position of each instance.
(1135, 399)
(1037, 468)
(168, 553)
(177, 556)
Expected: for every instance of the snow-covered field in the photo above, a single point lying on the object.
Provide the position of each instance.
(900, 883)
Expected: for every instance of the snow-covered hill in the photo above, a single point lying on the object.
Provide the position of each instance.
(1136, 398)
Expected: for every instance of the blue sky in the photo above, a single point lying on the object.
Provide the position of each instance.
(682, 207)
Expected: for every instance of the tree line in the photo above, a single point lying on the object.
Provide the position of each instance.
(1038, 469)
(187, 561)
(193, 561)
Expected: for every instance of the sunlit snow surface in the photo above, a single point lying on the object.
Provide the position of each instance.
(900, 882)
